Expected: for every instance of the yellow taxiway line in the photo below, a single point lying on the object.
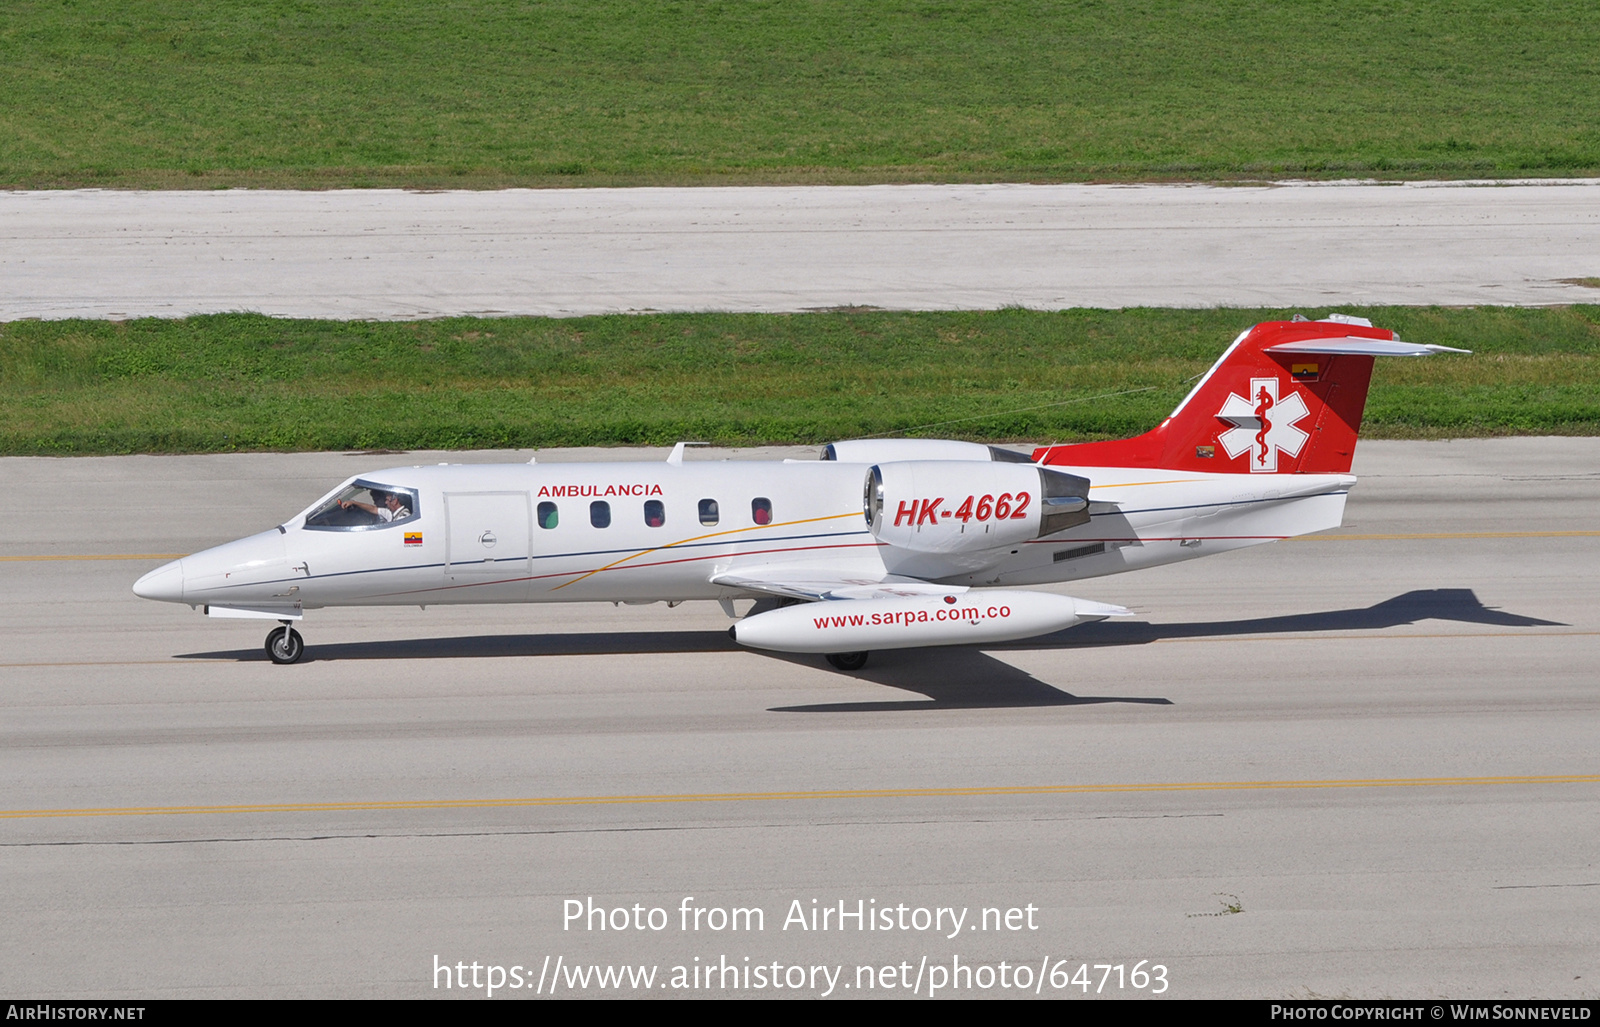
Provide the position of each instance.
(866, 793)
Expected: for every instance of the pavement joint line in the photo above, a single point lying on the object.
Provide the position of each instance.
(1446, 535)
(44, 558)
(1373, 635)
(871, 793)
(94, 556)
(117, 663)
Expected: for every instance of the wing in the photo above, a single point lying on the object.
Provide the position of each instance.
(814, 583)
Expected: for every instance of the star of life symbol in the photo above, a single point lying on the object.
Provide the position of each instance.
(1263, 424)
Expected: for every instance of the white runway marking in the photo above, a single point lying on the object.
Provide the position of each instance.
(396, 254)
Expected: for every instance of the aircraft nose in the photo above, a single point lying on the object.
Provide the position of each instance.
(164, 583)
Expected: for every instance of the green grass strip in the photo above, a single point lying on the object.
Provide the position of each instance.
(247, 382)
(487, 93)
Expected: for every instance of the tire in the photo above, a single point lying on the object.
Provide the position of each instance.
(284, 645)
(848, 661)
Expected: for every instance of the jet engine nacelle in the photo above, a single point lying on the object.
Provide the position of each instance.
(945, 506)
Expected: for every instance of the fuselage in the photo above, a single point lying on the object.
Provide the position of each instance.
(643, 532)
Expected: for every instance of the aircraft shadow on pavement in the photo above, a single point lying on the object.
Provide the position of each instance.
(604, 643)
(1452, 604)
(961, 677)
(952, 677)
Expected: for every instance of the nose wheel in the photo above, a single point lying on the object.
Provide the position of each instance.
(848, 661)
(284, 645)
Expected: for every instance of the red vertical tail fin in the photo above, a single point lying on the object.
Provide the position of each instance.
(1285, 398)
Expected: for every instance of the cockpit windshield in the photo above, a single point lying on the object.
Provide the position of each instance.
(362, 505)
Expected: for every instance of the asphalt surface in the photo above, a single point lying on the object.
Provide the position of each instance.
(1420, 688)
(397, 254)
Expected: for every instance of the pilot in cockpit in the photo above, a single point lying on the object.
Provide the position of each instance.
(386, 506)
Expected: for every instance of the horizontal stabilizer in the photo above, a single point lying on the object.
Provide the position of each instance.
(1353, 346)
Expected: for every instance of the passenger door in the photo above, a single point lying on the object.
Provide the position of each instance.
(487, 544)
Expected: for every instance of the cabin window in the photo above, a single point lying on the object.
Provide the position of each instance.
(761, 510)
(708, 512)
(655, 515)
(549, 516)
(600, 514)
(364, 505)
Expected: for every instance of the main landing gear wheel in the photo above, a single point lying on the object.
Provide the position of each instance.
(848, 661)
(284, 645)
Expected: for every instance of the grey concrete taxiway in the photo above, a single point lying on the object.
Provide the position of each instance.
(396, 254)
(1359, 765)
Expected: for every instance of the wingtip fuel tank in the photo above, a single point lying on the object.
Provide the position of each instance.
(903, 623)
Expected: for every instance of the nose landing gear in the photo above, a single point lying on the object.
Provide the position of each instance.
(848, 661)
(284, 645)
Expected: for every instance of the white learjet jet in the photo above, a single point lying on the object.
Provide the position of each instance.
(875, 546)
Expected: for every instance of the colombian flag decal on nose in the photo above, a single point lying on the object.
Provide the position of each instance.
(413, 538)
